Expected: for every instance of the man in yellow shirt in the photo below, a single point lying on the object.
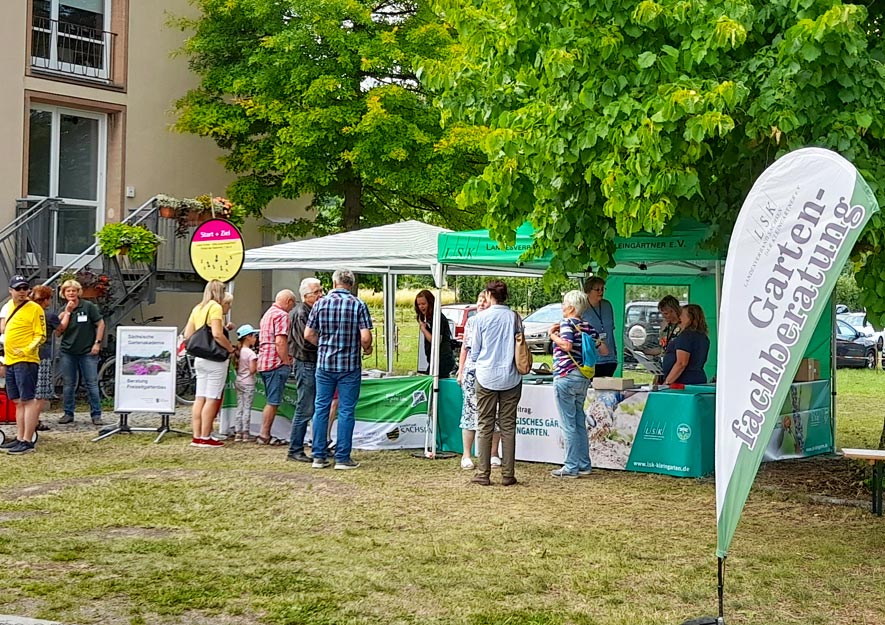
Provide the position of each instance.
(25, 333)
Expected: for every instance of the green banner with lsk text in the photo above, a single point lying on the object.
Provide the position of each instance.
(791, 239)
(392, 413)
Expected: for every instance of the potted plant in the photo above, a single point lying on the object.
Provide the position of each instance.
(190, 213)
(139, 243)
(168, 206)
(96, 286)
(225, 209)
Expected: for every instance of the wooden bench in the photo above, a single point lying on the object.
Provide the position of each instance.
(876, 457)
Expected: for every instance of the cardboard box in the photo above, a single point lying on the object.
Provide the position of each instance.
(809, 370)
(612, 384)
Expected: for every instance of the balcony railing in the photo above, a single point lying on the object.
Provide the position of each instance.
(71, 49)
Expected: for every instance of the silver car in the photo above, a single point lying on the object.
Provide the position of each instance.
(537, 326)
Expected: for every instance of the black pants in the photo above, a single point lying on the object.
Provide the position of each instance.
(605, 370)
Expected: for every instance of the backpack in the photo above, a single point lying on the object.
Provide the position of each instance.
(589, 355)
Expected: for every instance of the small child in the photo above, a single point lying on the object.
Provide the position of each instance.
(246, 364)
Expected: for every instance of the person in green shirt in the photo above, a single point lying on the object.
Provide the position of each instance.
(81, 331)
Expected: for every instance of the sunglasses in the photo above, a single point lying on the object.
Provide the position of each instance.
(21, 288)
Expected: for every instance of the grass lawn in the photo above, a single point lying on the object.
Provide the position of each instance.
(125, 531)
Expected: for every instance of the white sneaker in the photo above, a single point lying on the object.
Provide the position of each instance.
(467, 464)
(496, 461)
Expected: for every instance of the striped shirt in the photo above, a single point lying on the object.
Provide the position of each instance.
(563, 362)
(338, 318)
(274, 323)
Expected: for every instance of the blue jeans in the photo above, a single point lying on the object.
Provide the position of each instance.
(348, 385)
(306, 387)
(571, 391)
(73, 369)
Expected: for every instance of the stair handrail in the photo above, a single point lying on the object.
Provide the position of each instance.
(135, 218)
(28, 215)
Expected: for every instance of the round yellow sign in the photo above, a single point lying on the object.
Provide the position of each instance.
(217, 250)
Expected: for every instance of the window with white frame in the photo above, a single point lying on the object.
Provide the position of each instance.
(72, 37)
(67, 159)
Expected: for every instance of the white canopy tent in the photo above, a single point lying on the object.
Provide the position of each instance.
(406, 248)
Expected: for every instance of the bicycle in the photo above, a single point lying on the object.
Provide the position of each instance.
(185, 377)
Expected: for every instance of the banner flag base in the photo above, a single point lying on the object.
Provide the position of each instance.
(440, 455)
(714, 620)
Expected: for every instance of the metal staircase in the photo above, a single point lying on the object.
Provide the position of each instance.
(131, 284)
(26, 249)
(25, 244)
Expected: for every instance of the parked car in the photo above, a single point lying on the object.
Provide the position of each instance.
(536, 328)
(853, 349)
(458, 314)
(858, 321)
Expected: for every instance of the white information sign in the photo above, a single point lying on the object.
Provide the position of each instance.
(145, 371)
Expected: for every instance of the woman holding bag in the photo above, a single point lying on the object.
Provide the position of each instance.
(570, 383)
(207, 342)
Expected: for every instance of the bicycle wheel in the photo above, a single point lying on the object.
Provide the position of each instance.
(185, 382)
(106, 378)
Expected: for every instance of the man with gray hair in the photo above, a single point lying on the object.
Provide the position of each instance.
(274, 362)
(339, 324)
(304, 359)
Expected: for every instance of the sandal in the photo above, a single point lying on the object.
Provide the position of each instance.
(272, 441)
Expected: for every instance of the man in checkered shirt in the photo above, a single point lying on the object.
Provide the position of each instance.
(340, 326)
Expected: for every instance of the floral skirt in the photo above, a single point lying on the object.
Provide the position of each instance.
(44, 380)
(468, 411)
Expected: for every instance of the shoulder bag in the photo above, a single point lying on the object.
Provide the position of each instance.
(522, 355)
(202, 344)
(589, 355)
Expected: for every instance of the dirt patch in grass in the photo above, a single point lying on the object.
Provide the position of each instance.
(132, 532)
(832, 477)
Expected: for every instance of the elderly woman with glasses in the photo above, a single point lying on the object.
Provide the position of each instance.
(601, 316)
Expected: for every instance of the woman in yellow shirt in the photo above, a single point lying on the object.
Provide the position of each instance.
(211, 375)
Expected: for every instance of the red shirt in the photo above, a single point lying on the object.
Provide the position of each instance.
(274, 323)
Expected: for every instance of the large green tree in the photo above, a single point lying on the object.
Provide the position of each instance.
(321, 97)
(617, 116)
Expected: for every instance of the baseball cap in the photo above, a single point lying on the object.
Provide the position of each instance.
(17, 281)
(245, 330)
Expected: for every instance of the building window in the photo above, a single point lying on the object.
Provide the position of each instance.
(73, 37)
(67, 155)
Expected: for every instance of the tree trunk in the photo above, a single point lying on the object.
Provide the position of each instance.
(882, 437)
(353, 203)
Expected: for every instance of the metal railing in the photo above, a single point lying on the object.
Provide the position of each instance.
(174, 254)
(25, 247)
(72, 49)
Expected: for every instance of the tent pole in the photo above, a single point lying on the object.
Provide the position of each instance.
(439, 276)
(390, 318)
(833, 370)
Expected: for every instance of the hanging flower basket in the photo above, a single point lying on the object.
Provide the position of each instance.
(168, 212)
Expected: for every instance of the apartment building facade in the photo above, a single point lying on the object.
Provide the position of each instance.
(87, 92)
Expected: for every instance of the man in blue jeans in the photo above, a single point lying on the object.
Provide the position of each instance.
(81, 331)
(304, 358)
(340, 325)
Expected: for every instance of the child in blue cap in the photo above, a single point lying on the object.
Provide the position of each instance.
(246, 364)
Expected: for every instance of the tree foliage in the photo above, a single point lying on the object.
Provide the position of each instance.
(321, 97)
(617, 116)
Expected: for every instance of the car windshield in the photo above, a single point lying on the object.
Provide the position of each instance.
(856, 320)
(548, 314)
(452, 314)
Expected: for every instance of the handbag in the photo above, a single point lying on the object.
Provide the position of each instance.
(522, 355)
(202, 344)
(589, 355)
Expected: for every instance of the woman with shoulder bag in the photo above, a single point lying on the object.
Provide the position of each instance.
(208, 343)
(570, 383)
